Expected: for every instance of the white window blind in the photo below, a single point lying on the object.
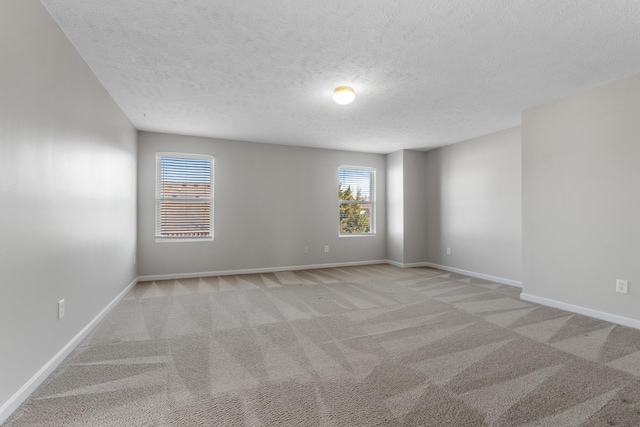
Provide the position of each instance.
(184, 196)
(356, 199)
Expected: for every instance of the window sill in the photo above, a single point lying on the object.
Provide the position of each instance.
(182, 240)
(357, 235)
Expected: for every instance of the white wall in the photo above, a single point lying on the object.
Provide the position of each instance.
(581, 199)
(67, 185)
(270, 202)
(474, 205)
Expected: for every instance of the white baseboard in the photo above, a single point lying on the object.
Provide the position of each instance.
(459, 271)
(255, 270)
(411, 264)
(316, 266)
(632, 323)
(396, 263)
(21, 395)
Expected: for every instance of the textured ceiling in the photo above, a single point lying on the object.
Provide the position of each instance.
(426, 73)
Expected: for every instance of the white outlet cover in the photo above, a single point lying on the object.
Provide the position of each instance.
(60, 309)
(622, 286)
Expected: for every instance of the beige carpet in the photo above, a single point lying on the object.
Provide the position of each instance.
(358, 346)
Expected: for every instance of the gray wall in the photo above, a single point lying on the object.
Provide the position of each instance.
(415, 206)
(406, 207)
(395, 206)
(67, 183)
(270, 202)
(474, 194)
(581, 198)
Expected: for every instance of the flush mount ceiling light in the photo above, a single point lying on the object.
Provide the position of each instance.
(343, 95)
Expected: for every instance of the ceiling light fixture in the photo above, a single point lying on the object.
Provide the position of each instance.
(343, 95)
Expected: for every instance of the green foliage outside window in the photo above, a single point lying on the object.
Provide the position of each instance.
(355, 218)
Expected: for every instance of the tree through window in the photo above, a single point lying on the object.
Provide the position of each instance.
(356, 197)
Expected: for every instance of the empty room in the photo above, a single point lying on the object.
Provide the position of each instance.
(319, 213)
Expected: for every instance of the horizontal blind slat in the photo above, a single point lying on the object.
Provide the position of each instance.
(357, 181)
(184, 197)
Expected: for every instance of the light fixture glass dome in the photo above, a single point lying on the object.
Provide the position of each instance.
(343, 95)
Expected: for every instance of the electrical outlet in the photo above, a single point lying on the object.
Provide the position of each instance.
(60, 309)
(448, 251)
(306, 249)
(622, 286)
(326, 248)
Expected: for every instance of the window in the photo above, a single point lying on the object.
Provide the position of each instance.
(184, 197)
(356, 198)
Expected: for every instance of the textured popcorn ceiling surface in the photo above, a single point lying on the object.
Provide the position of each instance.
(426, 73)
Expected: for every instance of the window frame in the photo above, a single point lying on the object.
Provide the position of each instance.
(166, 154)
(372, 201)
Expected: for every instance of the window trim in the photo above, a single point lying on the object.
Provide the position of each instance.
(171, 154)
(372, 202)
